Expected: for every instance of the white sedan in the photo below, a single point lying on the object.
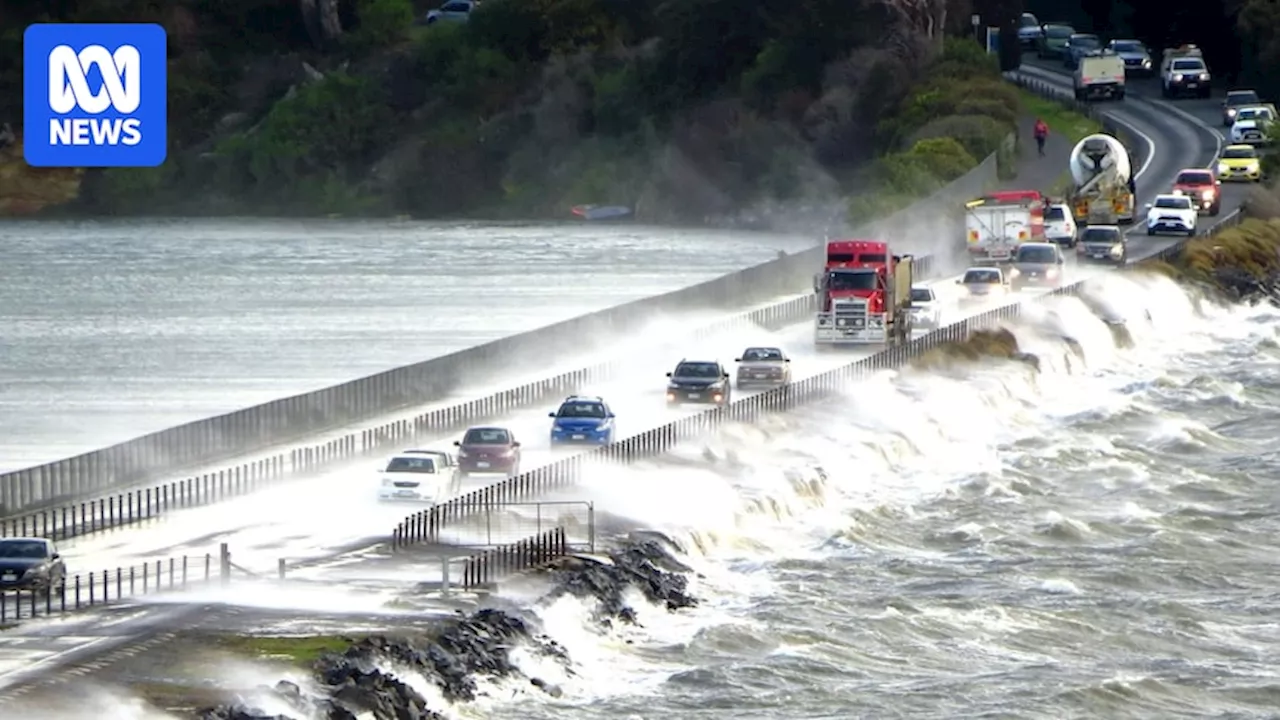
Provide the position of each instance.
(1171, 214)
(926, 311)
(429, 476)
(1252, 125)
(983, 284)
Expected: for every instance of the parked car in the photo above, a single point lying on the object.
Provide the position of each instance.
(452, 11)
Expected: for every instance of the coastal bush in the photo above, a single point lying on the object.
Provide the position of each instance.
(905, 177)
(307, 146)
(380, 23)
(1253, 246)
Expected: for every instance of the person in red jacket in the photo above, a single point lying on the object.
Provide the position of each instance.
(1042, 133)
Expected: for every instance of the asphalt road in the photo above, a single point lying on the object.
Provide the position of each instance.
(1179, 134)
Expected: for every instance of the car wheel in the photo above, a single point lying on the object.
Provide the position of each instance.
(1150, 232)
(1214, 210)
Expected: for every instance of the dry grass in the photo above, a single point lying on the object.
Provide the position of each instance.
(998, 343)
(25, 190)
(1252, 246)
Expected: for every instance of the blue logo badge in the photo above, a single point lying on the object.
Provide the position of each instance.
(94, 95)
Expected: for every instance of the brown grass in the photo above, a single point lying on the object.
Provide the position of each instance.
(25, 190)
(998, 343)
(1252, 246)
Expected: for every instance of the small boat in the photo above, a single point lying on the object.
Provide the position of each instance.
(602, 213)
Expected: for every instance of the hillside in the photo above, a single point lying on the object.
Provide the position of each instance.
(690, 109)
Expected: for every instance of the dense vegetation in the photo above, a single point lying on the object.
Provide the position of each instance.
(687, 108)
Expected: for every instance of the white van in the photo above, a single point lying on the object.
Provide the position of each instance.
(1100, 75)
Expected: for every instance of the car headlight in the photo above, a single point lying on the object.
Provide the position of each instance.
(1014, 272)
(1222, 168)
(1231, 112)
(1204, 76)
(1177, 77)
(387, 482)
(1253, 166)
(1178, 192)
(1207, 194)
(1146, 64)
(1116, 250)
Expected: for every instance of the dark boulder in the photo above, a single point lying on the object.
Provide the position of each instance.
(642, 561)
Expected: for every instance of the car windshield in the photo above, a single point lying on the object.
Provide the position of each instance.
(1236, 153)
(1254, 114)
(1127, 46)
(487, 436)
(981, 277)
(456, 7)
(580, 409)
(1054, 214)
(1173, 203)
(1242, 98)
(1188, 65)
(411, 465)
(1194, 178)
(1029, 20)
(25, 549)
(762, 354)
(921, 295)
(851, 280)
(1101, 235)
(1036, 254)
(697, 370)
(1085, 41)
(1059, 32)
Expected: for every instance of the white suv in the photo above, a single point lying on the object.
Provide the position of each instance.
(1060, 225)
(1171, 213)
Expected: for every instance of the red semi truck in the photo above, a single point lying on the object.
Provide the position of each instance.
(864, 295)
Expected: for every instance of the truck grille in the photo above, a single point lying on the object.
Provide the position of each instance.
(850, 314)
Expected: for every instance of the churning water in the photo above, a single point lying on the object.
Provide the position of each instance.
(1097, 539)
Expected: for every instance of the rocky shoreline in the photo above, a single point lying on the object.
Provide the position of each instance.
(370, 679)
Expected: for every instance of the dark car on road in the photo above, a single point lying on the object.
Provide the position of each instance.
(30, 564)
(1235, 100)
(698, 381)
(1038, 265)
(1078, 46)
(1052, 44)
(486, 450)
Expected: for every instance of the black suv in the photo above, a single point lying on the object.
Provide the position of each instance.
(698, 381)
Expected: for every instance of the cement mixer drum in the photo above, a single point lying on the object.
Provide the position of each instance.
(1097, 154)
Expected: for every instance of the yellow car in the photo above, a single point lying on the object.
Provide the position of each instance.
(1240, 162)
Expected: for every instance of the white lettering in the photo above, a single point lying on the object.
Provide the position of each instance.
(80, 131)
(121, 79)
(95, 131)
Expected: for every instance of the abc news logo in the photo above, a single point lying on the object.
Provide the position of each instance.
(69, 91)
(94, 95)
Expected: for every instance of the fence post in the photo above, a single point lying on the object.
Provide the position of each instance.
(444, 576)
(224, 564)
(591, 526)
(280, 566)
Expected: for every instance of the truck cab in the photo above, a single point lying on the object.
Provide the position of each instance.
(862, 295)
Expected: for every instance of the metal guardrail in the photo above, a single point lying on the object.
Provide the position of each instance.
(487, 524)
(483, 570)
(173, 452)
(429, 526)
(95, 589)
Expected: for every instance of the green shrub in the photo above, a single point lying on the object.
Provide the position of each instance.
(943, 158)
(381, 23)
(980, 135)
(308, 145)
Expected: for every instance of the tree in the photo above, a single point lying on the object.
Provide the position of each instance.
(323, 22)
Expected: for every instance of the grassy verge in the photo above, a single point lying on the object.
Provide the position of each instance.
(998, 343)
(1252, 246)
(298, 650)
(1061, 119)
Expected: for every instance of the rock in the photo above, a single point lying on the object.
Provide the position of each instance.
(642, 562)
(1027, 358)
(239, 712)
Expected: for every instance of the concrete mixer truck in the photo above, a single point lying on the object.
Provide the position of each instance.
(1102, 188)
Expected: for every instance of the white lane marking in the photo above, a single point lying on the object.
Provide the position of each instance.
(1217, 134)
(51, 659)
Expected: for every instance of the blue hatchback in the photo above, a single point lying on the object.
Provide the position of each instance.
(582, 420)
